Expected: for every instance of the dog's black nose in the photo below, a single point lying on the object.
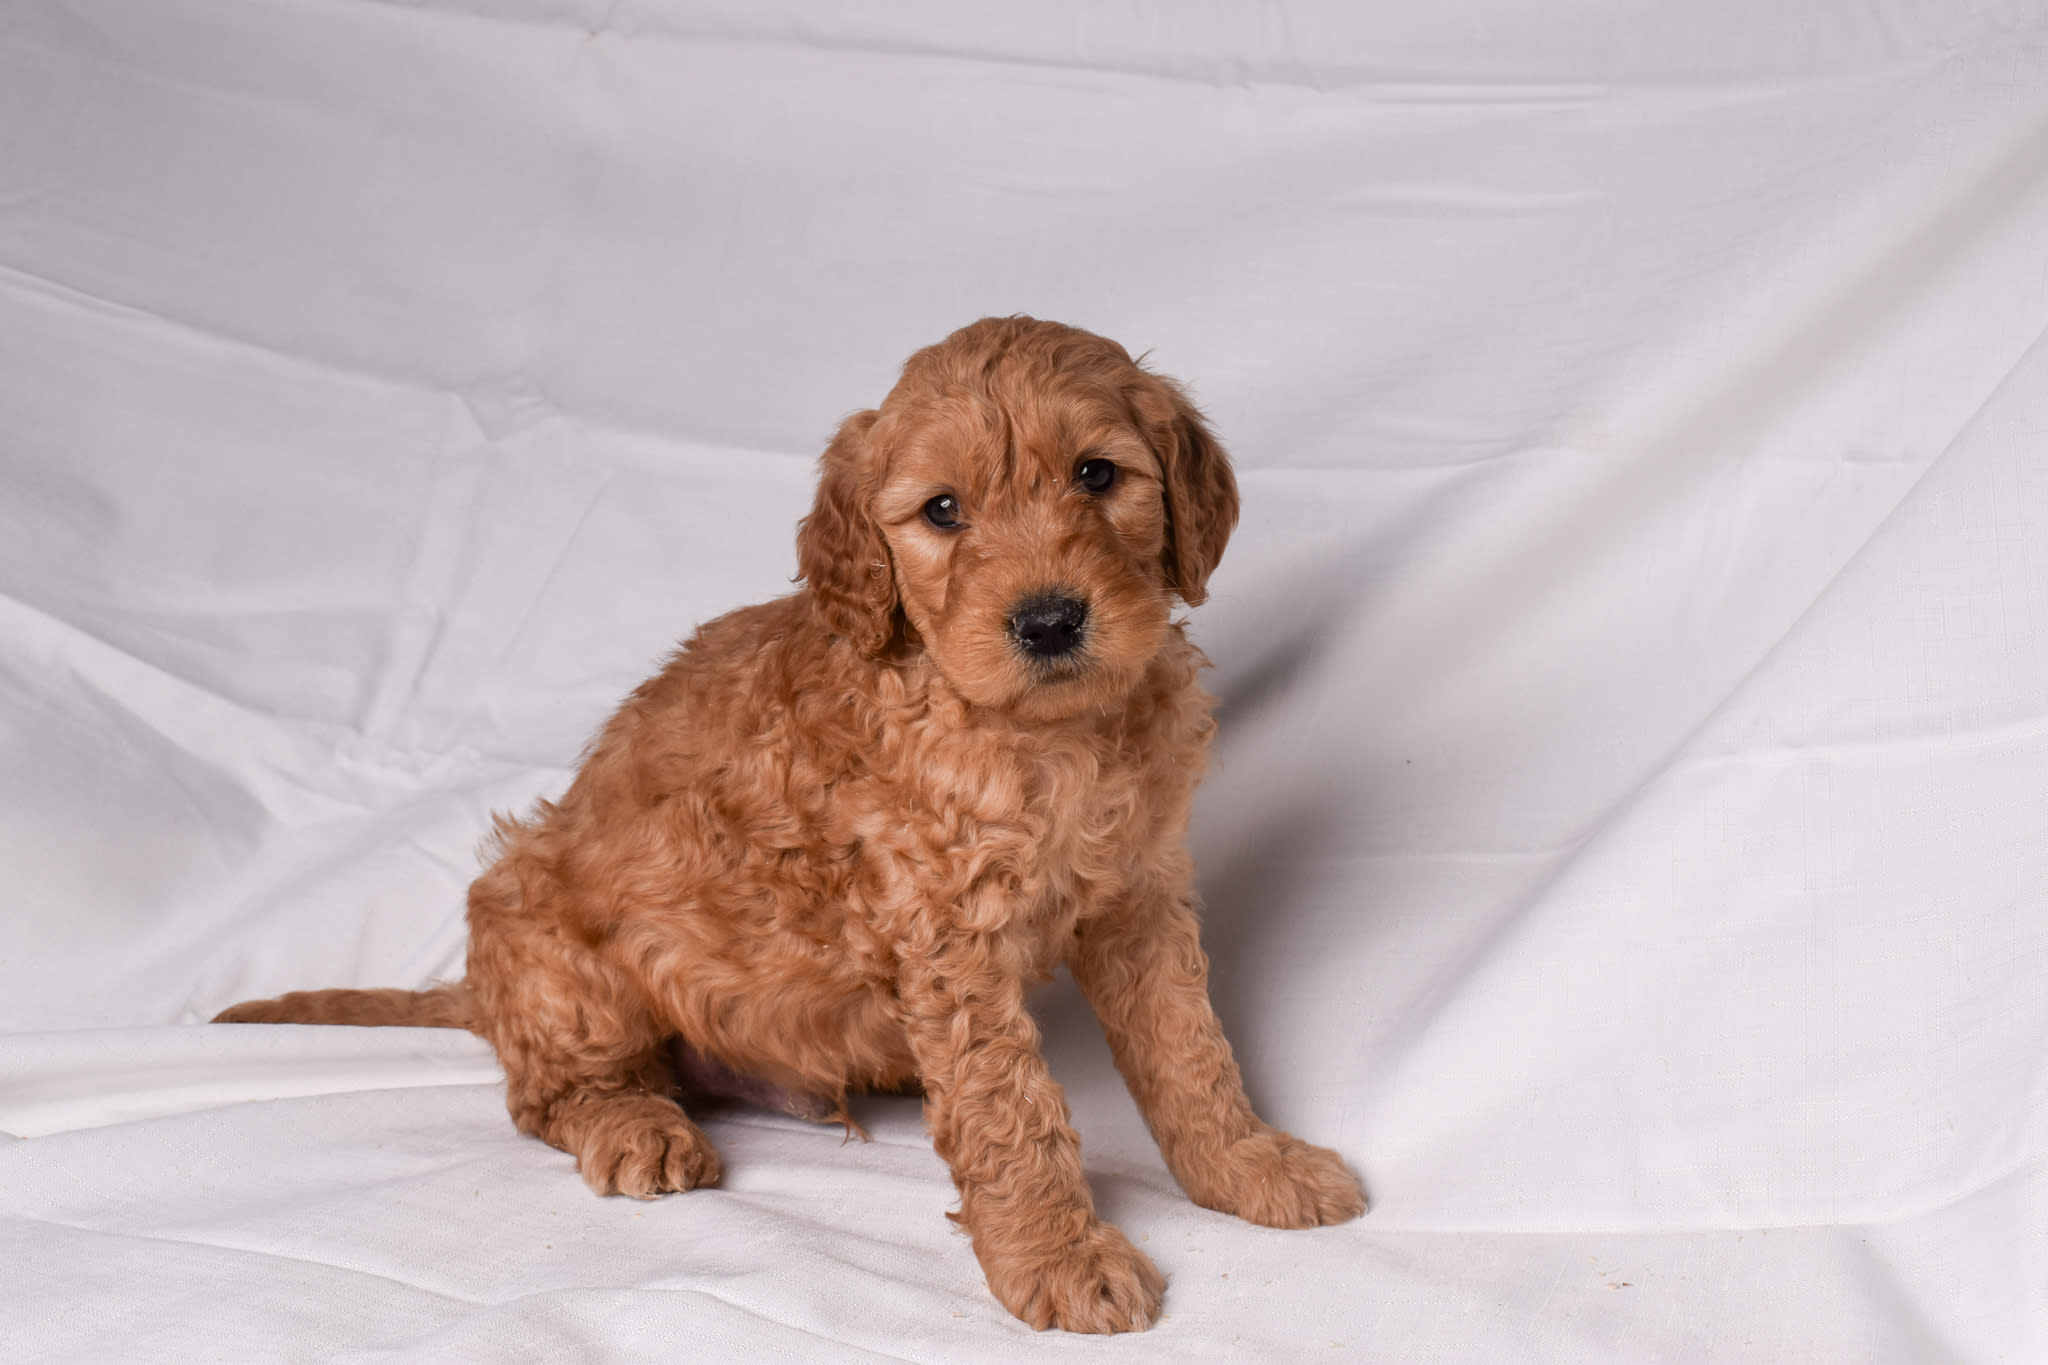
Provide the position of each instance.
(1050, 624)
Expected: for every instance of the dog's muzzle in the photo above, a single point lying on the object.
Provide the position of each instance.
(1050, 625)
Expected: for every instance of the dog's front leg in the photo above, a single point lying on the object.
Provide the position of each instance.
(1141, 965)
(1000, 1122)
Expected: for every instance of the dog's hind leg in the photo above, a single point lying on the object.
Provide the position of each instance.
(631, 1139)
(586, 1062)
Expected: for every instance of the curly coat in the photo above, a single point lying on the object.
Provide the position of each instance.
(831, 843)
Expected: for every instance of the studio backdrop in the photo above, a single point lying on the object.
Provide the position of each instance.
(1627, 837)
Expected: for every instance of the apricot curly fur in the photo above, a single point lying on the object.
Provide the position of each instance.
(831, 843)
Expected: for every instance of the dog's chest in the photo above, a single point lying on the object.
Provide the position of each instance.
(1053, 824)
(946, 818)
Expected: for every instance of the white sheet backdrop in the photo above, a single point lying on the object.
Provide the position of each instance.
(1629, 840)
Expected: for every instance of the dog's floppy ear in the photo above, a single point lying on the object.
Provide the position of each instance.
(839, 552)
(1201, 492)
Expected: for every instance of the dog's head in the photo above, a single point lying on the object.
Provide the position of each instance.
(1025, 505)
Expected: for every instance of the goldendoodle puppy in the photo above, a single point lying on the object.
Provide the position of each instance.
(831, 844)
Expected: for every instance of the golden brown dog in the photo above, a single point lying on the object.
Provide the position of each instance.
(829, 846)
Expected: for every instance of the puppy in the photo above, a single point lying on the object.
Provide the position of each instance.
(831, 843)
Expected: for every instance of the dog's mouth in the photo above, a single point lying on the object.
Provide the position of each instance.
(1068, 668)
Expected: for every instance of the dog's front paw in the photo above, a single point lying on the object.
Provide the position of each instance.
(1277, 1180)
(644, 1146)
(1100, 1283)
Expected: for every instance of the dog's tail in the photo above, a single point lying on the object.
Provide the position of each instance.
(444, 1006)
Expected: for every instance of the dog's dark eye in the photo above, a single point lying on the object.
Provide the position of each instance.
(1095, 475)
(943, 512)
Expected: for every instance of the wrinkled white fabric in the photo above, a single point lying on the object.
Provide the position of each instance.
(1628, 838)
